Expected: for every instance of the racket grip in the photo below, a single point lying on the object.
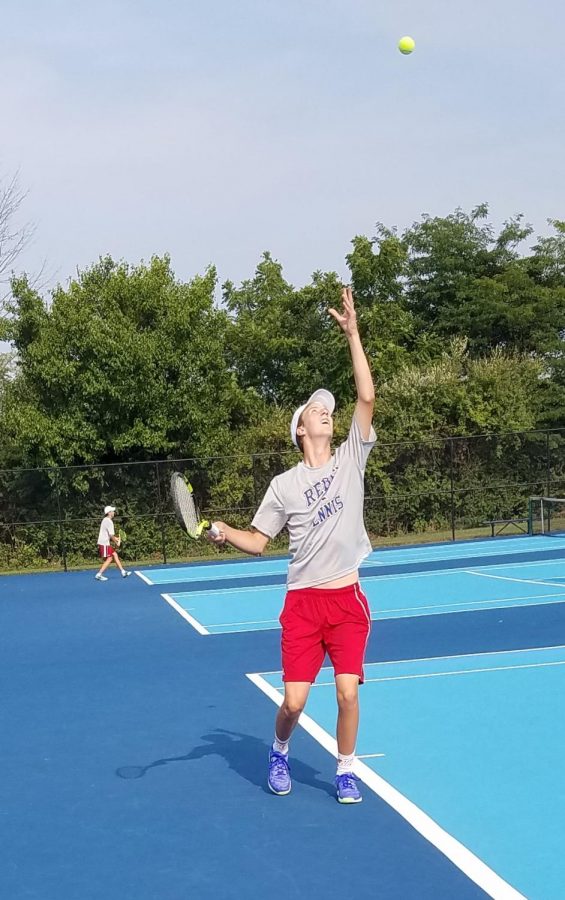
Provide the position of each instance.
(213, 531)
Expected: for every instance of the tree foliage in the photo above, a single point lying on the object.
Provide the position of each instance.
(124, 363)
(464, 328)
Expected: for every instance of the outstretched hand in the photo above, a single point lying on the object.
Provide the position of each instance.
(347, 318)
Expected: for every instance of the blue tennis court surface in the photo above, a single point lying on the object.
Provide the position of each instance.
(134, 744)
(214, 609)
(431, 556)
(475, 742)
(217, 572)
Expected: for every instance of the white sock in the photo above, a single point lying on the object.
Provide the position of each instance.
(345, 763)
(280, 746)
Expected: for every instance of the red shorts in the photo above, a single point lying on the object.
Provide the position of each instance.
(319, 620)
(105, 550)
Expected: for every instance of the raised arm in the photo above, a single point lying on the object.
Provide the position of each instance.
(347, 321)
(248, 541)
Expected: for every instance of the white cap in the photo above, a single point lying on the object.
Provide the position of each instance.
(108, 509)
(322, 396)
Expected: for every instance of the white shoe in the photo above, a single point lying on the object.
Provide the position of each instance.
(100, 577)
(125, 574)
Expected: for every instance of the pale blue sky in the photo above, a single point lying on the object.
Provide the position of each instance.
(216, 130)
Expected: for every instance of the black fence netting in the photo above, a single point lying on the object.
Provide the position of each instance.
(444, 488)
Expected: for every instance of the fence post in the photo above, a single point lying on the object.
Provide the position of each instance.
(61, 527)
(452, 481)
(253, 470)
(160, 507)
(548, 463)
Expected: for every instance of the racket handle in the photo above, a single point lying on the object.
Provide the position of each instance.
(213, 531)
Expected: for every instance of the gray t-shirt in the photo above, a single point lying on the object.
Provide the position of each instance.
(322, 508)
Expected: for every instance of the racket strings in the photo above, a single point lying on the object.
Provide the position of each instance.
(184, 504)
(188, 512)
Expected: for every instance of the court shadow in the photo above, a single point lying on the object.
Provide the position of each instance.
(245, 755)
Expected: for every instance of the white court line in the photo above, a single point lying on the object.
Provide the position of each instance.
(464, 672)
(461, 612)
(444, 674)
(234, 630)
(232, 624)
(454, 571)
(182, 612)
(144, 578)
(452, 607)
(402, 662)
(394, 576)
(239, 590)
(225, 577)
(508, 578)
(463, 552)
(377, 615)
(472, 603)
(461, 856)
(364, 578)
(369, 755)
(460, 553)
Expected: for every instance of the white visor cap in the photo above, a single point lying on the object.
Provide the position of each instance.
(322, 396)
(108, 509)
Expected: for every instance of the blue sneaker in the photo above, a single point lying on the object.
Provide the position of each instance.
(279, 773)
(346, 788)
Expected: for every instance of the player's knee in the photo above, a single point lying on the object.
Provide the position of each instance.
(348, 697)
(293, 706)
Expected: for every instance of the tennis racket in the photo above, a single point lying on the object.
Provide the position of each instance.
(186, 509)
(119, 538)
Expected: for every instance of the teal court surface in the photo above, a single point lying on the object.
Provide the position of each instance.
(137, 717)
(420, 581)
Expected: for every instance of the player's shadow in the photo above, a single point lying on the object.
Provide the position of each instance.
(245, 755)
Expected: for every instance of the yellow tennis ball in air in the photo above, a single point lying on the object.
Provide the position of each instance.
(406, 45)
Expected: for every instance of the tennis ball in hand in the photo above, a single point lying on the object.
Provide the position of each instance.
(406, 45)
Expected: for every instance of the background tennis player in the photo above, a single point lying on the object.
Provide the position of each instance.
(108, 543)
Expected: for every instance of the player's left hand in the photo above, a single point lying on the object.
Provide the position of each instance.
(347, 318)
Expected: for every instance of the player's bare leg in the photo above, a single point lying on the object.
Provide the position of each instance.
(295, 697)
(118, 562)
(347, 690)
(100, 574)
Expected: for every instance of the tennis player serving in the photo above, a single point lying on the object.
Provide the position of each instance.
(320, 501)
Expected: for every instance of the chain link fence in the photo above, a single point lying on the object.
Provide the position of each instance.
(444, 488)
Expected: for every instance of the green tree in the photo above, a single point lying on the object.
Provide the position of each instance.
(417, 472)
(546, 266)
(282, 341)
(464, 280)
(460, 395)
(125, 363)
(379, 268)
